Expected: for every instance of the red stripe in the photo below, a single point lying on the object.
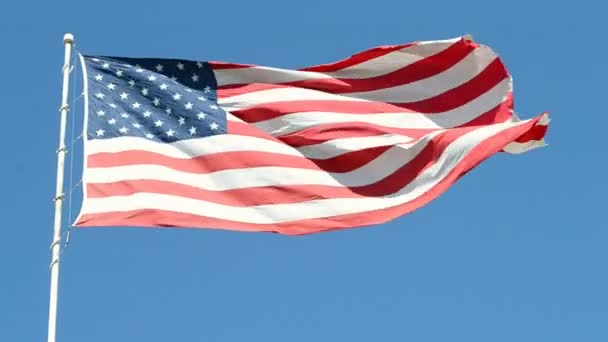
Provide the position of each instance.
(226, 65)
(368, 55)
(534, 134)
(329, 67)
(345, 162)
(156, 218)
(356, 58)
(273, 110)
(240, 89)
(501, 113)
(237, 197)
(492, 75)
(200, 164)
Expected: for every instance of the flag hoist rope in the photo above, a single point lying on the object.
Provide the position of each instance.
(68, 41)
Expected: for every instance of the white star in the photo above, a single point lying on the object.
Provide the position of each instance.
(181, 121)
(123, 130)
(164, 86)
(147, 114)
(136, 105)
(156, 101)
(100, 95)
(192, 130)
(170, 133)
(199, 64)
(149, 135)
(124, 95)
(158, 123)
(180, 66)
(195, 78)
(202, 98)
(207, 89)
(100, 132)
(98, 77)
(201, 115)
(136, 125)
(188, 105)
(124, 115)
(101, 113)
(213, 107)
(144, 91)
(159, 67)
(111, 86)
(112, 121)
(177, 96)
(132, 83)
(119, 73)
(113, 105)
(189, 90)
(152, 78)
(95, 60)
(168, 110)
(213, 126)
(106, 65)
(139, 69)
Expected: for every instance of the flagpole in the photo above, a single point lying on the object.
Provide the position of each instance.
(68, 41)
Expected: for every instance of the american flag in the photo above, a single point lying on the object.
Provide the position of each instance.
(179, 143)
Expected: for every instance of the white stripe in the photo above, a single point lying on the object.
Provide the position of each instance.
(336, 147)
(294, 122)
(187, 149)
(255, 98)
(85, 127)
(429, 87)
(369, 173)
(277, 213)
(261, 74)
(190, 148)
(395, 60)
(517, 147)
(375, 67)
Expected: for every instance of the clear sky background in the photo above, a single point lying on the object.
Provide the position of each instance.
(515, 251)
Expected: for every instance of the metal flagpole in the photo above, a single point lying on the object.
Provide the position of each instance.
(68, 41)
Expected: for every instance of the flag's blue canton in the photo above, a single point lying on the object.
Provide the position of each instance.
(159, 99)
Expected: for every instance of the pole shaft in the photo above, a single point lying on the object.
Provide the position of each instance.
(68, 41)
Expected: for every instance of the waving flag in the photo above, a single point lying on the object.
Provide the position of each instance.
(176, 143)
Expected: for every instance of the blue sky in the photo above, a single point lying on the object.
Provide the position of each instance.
(515, 251)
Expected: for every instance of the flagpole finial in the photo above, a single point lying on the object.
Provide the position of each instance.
(68, 38)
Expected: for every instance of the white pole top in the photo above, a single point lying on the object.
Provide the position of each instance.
(68, 38)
